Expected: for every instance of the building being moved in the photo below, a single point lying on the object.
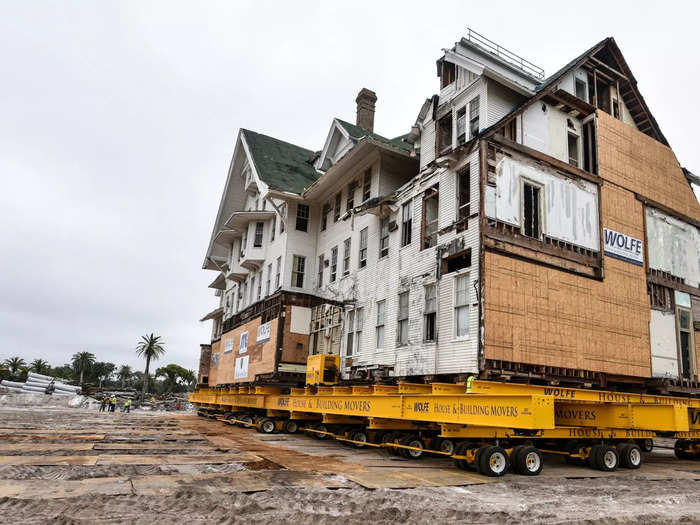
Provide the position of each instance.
(525, 228)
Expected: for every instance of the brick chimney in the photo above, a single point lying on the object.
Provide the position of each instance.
(366, 100)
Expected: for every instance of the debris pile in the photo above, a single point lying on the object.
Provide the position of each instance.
(41, 384)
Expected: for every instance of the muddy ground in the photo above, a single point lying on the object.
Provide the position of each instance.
(64, 465)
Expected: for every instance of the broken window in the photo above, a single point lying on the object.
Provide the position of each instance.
(346, 256)
(581, 90)
(351, 326)
(350, 204)
(279, 272)
(660, 297)
(406, 223)
(462, 125)
(430, 312)
(363, 248)
(462, 305)
(302, 217)
(298, 271)
(402, 318)
(474, 117)
(367, 185)
(430, 217)
(336, 208)
(319, 281)
(384, 238)
(683, 316)
(457, 262)
(334, 264)
(258, 240)
(463, 194)
(531, 211)
(445, 133)
(381, 316)
(324, 215)
(448, 74)
(573, 149)
(510, 130)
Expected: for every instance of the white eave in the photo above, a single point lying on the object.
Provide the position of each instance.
(239, 219)
(219, 283)
(225, 237)
(219, 312)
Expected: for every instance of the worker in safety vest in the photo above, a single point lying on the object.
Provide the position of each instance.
(103, 404)
(112, 403)
(470, 380)
(127, 406)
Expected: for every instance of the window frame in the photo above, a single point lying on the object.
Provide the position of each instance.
(384, 237)
(334, 264)
(350, 199)
(359, 325)
(303, 217)
(278, 274)
(296, 272)
(540, 212)
(364, 235)
(402, 314)
(259, 235)
(380, 327)
(367, 185)
(319, 273)
(269, 279)
(337, 206)
(350, 333)
(474, 116)
(429, 194)
(406, 223)
(458, 306)
(347, 246)
(463, 208)
(430, 310)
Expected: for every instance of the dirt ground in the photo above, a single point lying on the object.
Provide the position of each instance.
(65, 465)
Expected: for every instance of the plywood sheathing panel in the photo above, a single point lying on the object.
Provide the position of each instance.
(643, 165)
(543, 316)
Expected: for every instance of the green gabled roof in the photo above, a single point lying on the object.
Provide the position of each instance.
(281, 165)
(357, 133)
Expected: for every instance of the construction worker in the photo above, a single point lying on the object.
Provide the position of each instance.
(112, 403)
(470, 380)
(103, 404)
(127, 406)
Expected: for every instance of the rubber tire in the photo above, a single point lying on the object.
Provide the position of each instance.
(485, 457)
(412, 440)
(461, 450)
(291, 426)
(630, 455)
(267, 426)
(598, 456)
(647, 445)
(677, 449)
(520, 458)
(248, 421)
(440, 443)
(322, 428)
(390, 438)
(359, 435)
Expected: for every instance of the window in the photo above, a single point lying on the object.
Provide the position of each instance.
(283, 216)
(430, 217)
(573, 149)
(367, 185)
(406, 223)
(381, 315)
(346, 256)
(259, 228)
(448, 74)
(244, 243)
(464, 194)
(274, 227)
(615, 108)
(402, 317)
(589, 147)
(324, 216)
(279, 271)
(531, 211)
(462, 125)
(269, 278)
(363, 248)
(350, 204)
(461, 306)
(334, 263)
(384, 238)
(685, 335)
(581, 90)
(336, 208)
(444, 133)
(359, 323)
(430, 313)
(259, 285)
(298, 271)
(319, 282)
(252, 289)
(302, 217)
(474, 118)
(351, 327)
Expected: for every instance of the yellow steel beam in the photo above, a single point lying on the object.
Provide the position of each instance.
(670, 418)
(471, 432)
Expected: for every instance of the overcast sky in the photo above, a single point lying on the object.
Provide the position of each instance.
(118, 121)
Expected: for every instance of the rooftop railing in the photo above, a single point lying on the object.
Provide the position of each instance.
(505, 55)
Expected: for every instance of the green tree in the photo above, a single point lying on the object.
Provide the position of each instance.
(64, 372)
(40, 366)
(82, 362)
(125, 374)
(172, 373)
(150, 347)
(15, 364)
(190, 378)
(103, 371)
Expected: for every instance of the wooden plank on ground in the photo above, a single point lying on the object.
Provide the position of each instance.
(44, 447)
(153, 446)
(57, 436)
(50, 489)
(176, 459)
(48, 460)
(386, 478)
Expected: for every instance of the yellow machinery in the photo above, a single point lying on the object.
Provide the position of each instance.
(486, 425)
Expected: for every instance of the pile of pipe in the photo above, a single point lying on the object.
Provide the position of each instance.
(41, 384)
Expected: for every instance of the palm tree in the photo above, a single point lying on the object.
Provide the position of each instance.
(103, 371)
(40, 366)
(150, 347)
(82, 361)
(14, 364)
(124, 374)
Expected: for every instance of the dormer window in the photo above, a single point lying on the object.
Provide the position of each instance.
(448, 74)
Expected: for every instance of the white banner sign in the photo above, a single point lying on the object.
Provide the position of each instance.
(623, 247)
(243, 346)
(263, 333)
(241, 371)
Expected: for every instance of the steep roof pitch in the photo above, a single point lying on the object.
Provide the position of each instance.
(356, 132)
(281, 165)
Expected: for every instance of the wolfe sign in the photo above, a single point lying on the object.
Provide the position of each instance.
(623, 247)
